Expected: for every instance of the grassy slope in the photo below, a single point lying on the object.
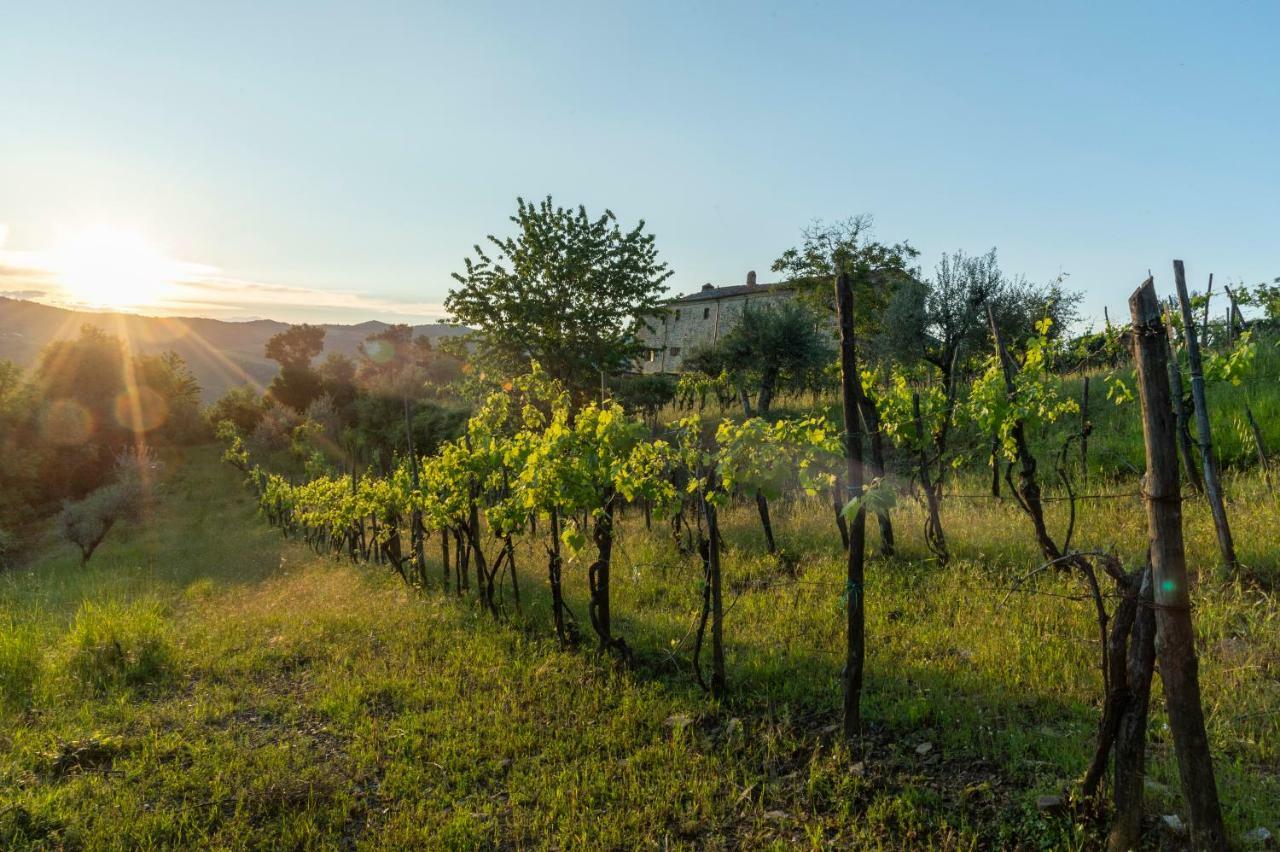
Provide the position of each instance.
(262, 696)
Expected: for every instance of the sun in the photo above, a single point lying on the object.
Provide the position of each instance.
(112, 267)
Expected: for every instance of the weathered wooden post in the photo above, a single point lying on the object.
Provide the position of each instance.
(1085, 429)
(1175, 639)
(1212, 485)
(851, 391)
(1208, 297)
(717, 604)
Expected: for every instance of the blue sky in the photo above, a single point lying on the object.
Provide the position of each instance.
(337, 161)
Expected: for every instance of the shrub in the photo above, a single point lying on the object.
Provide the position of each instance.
(85, 523)
(274, 432)
(113, 645)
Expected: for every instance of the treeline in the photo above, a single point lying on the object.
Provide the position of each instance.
(70, 423)
(79, 431)
(399, 394)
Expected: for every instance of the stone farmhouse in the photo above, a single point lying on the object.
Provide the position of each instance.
(698, 319)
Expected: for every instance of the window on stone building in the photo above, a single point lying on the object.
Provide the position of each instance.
(674, 350)
(706, 313)
(677, 316)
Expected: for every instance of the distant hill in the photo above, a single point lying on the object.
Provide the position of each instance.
(222, 354)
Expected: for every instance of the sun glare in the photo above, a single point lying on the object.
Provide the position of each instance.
(110, 267)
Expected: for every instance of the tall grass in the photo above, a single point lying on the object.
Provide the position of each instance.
(316, 703)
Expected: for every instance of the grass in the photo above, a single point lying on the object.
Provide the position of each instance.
(205, 683)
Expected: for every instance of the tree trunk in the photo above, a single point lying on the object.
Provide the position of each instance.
(1175, 637)
(554, 565)
(995, 467)
(934, 537)
(1212, 486)
(444, 558)
(1131, 733)
(841, 524)
(1180, 416)
(598, 576)
(851, 392)
(767, 385)
(762, 506)
(1028, 490)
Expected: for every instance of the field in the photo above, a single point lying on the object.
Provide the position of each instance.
(204, 682)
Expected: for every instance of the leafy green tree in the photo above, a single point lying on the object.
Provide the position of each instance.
(394, 362)
(875, 269)
(338, 380)
(242, 406)
(568, 290)
(177, 391)
(297, 384)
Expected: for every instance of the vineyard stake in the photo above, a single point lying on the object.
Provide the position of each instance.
(851, 392)
(1175, 638)
(1212, 486)
(1085, 428)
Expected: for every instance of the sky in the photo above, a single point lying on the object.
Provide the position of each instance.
(336, 162)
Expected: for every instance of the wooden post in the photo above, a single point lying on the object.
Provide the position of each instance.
(1175, 638)
(1235, 318)
(1212, 485)
(1208, 296)
(417, 533)
(850, 387)
(1085, 429)
(717, 604)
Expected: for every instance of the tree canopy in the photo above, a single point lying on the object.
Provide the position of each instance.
(568, 291)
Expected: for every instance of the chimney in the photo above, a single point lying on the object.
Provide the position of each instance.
(751, 280)
(708, 286)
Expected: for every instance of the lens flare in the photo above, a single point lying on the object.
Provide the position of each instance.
(141, 409)
(379, 351)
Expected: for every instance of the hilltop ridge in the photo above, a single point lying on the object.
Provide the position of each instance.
(222, 353)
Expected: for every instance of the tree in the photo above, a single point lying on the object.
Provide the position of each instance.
(85, 523)
(568, 291)
(297, 385)
(393, 362)
(242, 406)
(772, 347)
(176, 396)
(876, 272)
(338, 380)
(80, 382)
(875, 269)
(769, 347)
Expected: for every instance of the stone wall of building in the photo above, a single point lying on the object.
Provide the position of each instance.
(698, 319)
